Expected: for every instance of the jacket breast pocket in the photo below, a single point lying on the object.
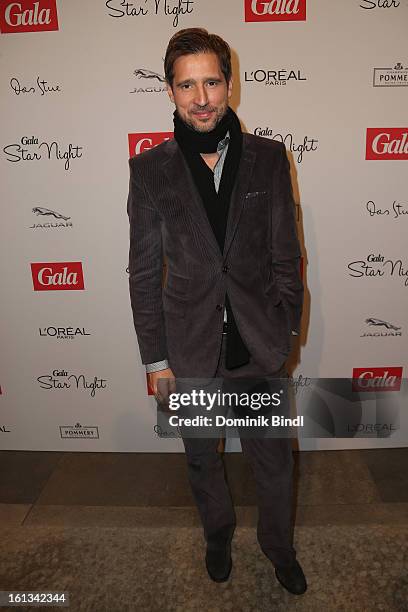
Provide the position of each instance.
(255, 196)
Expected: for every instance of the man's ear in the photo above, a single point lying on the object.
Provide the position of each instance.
(170, 92)
(230, 84)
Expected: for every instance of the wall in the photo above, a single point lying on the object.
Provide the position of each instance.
(81, 84)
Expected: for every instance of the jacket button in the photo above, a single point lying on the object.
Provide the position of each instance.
(219, 307)
(225, 269)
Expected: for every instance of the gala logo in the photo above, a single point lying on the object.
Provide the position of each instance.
(275, 10)
(57, 276)
(377, 379)
(147, 140)
(28, 16)
(387, 143)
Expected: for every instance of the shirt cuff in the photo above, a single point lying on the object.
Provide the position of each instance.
(156, 366)
(294, 333)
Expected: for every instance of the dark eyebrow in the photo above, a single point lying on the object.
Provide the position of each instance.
(191, 81)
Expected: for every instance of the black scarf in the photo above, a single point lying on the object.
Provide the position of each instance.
(216, 205)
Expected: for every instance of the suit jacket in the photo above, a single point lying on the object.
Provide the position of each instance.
(181, 319)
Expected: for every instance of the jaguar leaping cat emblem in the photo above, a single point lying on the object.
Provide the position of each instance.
(143, 73)
(39, 210)
(381, 323)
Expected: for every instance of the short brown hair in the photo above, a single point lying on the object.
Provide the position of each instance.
(196, 40)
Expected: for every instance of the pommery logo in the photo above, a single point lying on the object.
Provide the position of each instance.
(156, 80)
(391, 77)
(78, 431)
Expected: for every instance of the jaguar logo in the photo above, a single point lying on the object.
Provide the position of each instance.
(143, 73)
(381, 323)
(40, 210)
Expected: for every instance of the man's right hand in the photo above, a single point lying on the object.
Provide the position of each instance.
(163, 389)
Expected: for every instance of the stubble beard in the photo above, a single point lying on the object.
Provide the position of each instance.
(207, 127)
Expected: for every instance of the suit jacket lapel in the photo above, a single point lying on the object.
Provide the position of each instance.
(181, 181)
(179, 176)
(244, 175)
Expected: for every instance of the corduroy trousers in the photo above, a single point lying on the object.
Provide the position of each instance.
(271, 461)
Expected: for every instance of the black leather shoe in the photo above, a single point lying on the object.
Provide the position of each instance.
(292, 578)
(219, 563)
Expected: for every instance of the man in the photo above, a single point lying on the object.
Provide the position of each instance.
(216, 205)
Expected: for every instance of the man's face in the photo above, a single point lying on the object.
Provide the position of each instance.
(200, 91)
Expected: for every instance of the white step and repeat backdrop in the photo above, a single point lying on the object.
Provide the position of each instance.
(82, 90)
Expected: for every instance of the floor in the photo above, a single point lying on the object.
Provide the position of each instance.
(119, 531)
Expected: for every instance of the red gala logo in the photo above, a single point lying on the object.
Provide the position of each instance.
(57, 276)
(377, 379)
(146, 140)
(28, 16)
(387, 143)
(275, 10)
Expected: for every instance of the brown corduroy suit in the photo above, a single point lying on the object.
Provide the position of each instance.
(182, 321)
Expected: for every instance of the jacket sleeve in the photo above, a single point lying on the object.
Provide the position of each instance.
(285, 245)
(145, 270)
